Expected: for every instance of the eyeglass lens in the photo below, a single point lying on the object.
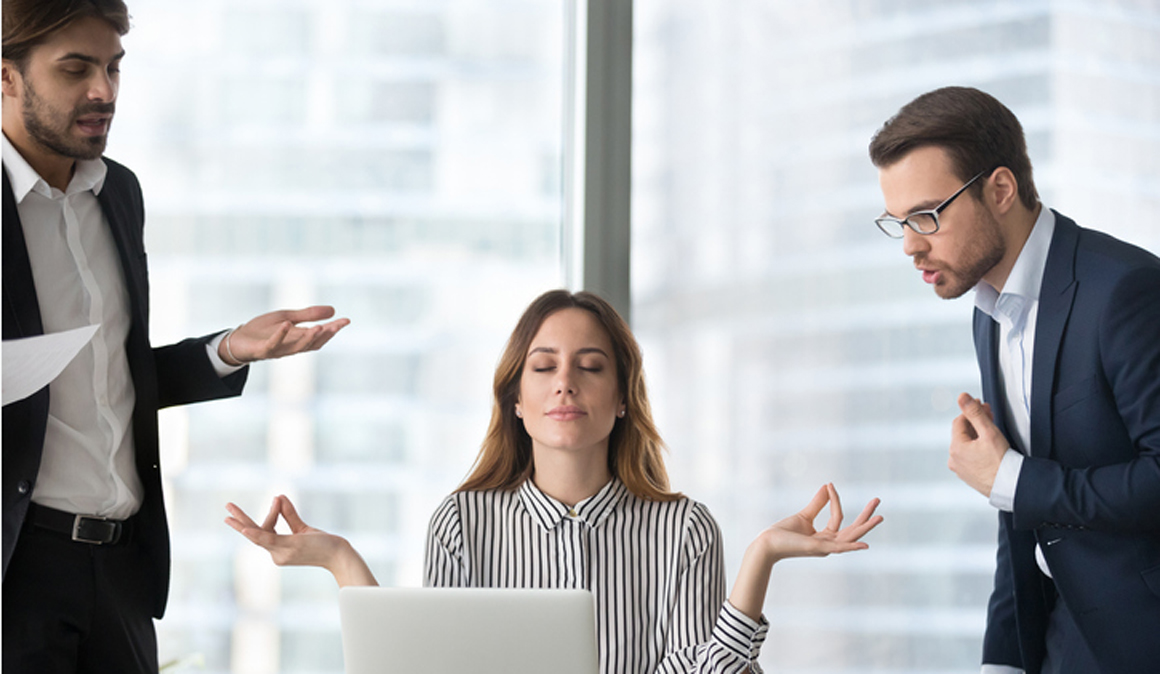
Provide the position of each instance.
(923, 223)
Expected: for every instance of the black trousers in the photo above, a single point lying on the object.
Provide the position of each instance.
(75, 607)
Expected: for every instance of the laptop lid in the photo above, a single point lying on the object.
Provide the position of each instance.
(456, 630)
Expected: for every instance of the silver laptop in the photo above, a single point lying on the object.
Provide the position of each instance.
(467, 630)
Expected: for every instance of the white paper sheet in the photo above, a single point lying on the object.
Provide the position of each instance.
(31, 363)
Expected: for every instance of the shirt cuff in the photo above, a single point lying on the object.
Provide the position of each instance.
(222, 368)
(1000, 669)
(739, 633)
(1003, 490)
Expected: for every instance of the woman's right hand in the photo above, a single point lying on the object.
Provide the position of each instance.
(304, 545)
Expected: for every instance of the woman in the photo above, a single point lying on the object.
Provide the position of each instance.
(570, 490)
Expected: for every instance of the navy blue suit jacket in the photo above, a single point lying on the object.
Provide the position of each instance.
(170, 375)
(1089, 491)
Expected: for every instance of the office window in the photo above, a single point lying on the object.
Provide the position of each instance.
(399, 160)
(789, 343)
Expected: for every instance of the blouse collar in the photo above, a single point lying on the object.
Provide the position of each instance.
(549, 512)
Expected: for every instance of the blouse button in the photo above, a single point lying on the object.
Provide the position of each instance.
(572, 513)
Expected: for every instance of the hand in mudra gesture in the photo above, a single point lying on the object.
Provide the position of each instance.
(796, 536)
(304, 545)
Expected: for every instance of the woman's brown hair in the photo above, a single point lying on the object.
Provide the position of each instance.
(634, 447)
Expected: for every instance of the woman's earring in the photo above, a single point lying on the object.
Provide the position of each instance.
(519, 414)
(620, 414)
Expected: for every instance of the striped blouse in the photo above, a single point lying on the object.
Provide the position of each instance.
(656, 570)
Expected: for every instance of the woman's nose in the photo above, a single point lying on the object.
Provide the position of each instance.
(564, 381)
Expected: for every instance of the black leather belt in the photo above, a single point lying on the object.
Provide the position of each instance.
(90, 529)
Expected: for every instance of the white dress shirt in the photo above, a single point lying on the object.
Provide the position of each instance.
(1016, 310)
(655, 569)
(87, 466)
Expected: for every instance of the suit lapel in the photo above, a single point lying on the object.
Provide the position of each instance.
(987, 352)
(130, 248)
(1055, 301)
(21, 307)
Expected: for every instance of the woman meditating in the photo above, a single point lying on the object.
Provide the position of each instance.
(570, 491)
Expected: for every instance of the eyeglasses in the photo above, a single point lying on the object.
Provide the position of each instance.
(922, 222)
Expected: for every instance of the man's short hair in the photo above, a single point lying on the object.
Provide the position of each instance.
(977, 131)
(28, 23)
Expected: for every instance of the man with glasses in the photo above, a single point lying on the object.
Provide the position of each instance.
(1067, 333)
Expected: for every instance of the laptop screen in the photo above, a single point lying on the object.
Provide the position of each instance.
(456, 630)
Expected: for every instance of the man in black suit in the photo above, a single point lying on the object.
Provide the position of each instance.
(85, 539)
(1067, 334)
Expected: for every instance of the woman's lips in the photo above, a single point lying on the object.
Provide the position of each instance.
(566, 413)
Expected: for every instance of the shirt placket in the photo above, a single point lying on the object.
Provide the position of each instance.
(1024, 400)
(572, 559)
(111, 429)
(1011, 310)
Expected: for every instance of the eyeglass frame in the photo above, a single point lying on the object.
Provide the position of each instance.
(903, 223)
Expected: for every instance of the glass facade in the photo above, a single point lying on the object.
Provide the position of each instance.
(789, 343)
(399, 160)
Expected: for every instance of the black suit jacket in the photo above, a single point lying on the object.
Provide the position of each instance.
(170, 375)
(1089, 491)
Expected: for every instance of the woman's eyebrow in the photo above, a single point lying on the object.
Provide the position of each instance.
(553, 350)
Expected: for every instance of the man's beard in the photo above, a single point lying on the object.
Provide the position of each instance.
(46, 127)
(985, 250)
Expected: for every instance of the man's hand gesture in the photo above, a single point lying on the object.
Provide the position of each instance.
(278, 334)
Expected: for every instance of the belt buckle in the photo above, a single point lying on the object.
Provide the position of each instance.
(79, 520)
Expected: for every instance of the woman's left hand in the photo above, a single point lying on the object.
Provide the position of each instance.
(795, 536)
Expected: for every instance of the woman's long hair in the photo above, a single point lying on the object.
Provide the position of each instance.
(634, 447)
